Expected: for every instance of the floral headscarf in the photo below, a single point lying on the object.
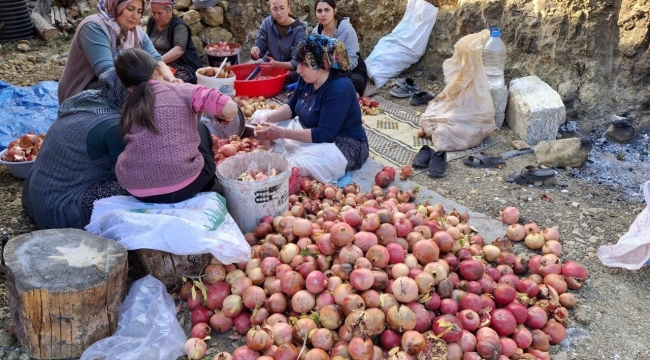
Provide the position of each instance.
(109, 10)
(320, 52)
(107, 100)
(167, 3)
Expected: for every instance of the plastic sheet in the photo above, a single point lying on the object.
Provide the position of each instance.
(24, 109)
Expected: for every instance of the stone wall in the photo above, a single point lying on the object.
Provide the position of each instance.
(595, 53)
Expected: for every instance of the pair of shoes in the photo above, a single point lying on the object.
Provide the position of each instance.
(405, 89)
(530, 174)
(421, 98)
(434, 161)
(482, 160)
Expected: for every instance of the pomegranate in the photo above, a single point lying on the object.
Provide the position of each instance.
(510, 215)
(195, 348)
(383, 179)
(503, 322)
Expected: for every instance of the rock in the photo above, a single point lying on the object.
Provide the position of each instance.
(196, 28)
(182, 4)
(31, 58)
(24, 356)
(620, 130)
(212, 35)
(212, 16)
(571, 152)
(198, 44)
(568, 90)
(560, 356)
(14, 355)
(191, 17)
(6, 339)
(499, 100)
(63, 62)
(535, 111)
(223, 4)
(23, 47)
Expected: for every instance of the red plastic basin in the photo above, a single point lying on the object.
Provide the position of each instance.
(270, 84)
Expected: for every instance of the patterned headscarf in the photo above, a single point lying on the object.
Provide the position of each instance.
(320, 52)
(167, 3)
(109, 10)
(107, 100)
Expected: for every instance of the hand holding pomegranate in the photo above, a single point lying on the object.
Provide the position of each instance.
(272, 132)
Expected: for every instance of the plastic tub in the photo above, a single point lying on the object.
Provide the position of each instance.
(249, 201)
(17, 169)
(225, 85)
(270, 84)
(216, 57)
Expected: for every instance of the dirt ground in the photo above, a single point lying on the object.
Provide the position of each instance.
(591, 206)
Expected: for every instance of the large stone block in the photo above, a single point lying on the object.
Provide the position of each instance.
(191, 17)
(212, 16)
(196, 28)
(198, 43)
(212, 35)
(499, 100)
(571, 152)
(535, 111)
(182, 4)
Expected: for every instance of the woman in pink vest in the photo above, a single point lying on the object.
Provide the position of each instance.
(168, 156)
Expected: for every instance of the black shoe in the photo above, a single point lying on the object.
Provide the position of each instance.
(421, 98)
(438, 164)
(423, 157)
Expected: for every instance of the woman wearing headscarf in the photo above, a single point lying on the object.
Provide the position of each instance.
(99, 39)
(172, 39)
(324, 101)
(76, 163)
(278, 38)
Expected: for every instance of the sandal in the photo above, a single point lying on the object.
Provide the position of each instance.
(482, 160)
(530, 174)
(438, 164)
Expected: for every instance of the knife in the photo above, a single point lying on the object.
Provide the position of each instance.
(258, 68)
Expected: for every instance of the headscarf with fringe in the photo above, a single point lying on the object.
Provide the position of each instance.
(109, 10)
(319, 52)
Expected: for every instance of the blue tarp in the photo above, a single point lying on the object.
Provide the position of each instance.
(25, 109)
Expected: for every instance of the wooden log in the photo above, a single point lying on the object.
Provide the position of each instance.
(57, 16)
(83, 7)
(52, 17)
(43, 7)
(74, 9)
(65, 288)
(169, 268)
(46, 31)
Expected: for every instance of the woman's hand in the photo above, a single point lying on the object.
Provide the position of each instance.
(271, 62)
(255, 53)
(175, 80)
(266, 131)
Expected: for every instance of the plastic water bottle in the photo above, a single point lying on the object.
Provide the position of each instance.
(494, 58)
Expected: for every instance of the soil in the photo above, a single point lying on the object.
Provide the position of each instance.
(590, 206)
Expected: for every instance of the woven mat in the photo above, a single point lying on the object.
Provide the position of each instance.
(392, 135)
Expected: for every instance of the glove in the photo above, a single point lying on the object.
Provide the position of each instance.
(271, 132)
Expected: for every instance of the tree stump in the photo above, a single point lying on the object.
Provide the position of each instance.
(169, 268)
(65, 290)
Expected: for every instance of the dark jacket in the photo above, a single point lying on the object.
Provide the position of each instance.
(190, 58)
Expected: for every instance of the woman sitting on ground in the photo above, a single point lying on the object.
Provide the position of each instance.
(99, 39)
(331, 24)
(324, 101)
(76, 164)
(168, 156)
(172, 38)
(279, 35)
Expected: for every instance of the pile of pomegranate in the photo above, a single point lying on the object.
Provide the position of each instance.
(225, 148)
(369, 106)
(257, 175)
(251, 104)
(25, 148)
(350, 275)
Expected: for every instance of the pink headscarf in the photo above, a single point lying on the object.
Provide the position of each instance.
(109, 10)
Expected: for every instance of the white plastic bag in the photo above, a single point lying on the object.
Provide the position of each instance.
(632, 250)
(198, 225)
(462, 115)
(323, 162)
(405, 45)
(147, 327)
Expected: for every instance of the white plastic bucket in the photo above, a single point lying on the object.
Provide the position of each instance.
(224, 85)
(249, 201)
